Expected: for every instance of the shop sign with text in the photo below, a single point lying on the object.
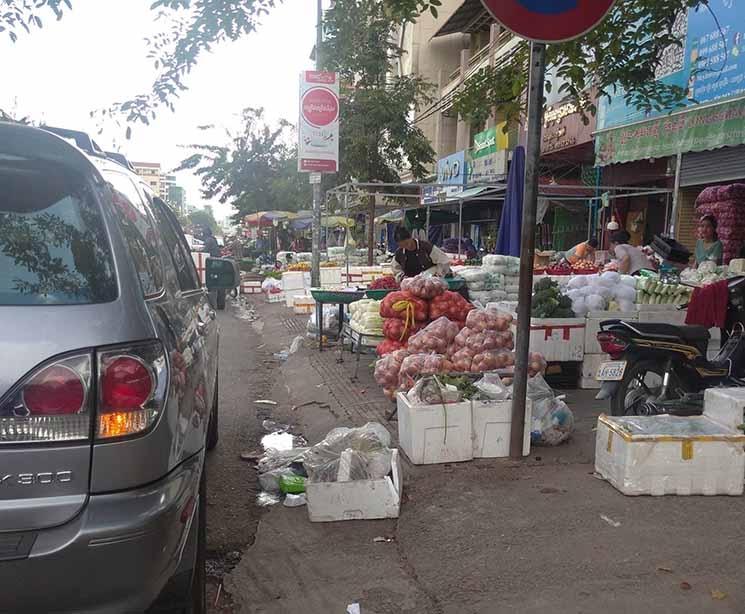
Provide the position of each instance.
(318, 125)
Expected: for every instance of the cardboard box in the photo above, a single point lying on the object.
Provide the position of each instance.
(358, 499)
(669, 455)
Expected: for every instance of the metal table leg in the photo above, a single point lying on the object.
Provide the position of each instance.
(319, 320)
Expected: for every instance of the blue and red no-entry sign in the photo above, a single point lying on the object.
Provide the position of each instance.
(548, 21)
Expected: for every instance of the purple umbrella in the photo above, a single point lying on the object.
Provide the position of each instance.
(508, 241)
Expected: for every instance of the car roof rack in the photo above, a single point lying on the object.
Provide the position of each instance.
(120, 159)
(81, 139)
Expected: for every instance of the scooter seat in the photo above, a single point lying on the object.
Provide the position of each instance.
(690, 334)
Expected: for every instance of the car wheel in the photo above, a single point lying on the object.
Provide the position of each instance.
(221, 299)
(213, 433)
(198, 597)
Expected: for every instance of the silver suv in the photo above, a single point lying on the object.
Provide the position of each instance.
(108, 386)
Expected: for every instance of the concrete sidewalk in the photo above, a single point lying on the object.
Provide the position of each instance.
(484, 536)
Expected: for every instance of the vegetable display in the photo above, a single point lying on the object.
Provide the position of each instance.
(388, 282)
(492, 360)
(549, 302)
(435, 337)
(706, 273)
(387, 370)
(424, 286)
(451, 305)
(404, 306)
(650, 291)
(416, 365)
(365, 317)
(389, 345)
(396, 329)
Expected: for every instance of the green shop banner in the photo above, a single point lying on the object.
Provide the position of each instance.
(698, 129)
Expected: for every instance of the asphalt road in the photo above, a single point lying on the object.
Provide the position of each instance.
(246, 373)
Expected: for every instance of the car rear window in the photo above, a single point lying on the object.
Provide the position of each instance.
(53, 244)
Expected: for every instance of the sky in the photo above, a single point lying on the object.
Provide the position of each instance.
(96, 56)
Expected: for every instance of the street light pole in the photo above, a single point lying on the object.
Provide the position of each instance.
(527, 245)
(315, 274)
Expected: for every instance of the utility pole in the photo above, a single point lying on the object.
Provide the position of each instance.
(315, 274)
(527, 245)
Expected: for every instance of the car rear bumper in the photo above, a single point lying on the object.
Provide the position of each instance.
(116, 556)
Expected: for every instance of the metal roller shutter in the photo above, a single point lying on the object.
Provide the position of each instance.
(715, 166)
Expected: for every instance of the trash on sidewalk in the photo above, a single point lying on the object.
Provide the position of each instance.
(354, 608)
(283, 355)
(265, 402)
(380, 539)
(292, 500)
(552, 421)
(292, 484)
(610, 521)
(671, 455)
(309, 403)
(265, 499)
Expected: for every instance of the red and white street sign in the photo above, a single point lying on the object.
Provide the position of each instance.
(549, 21)
(318, 127)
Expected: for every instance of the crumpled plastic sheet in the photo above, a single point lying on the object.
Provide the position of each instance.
(350, 454)
(675, 426)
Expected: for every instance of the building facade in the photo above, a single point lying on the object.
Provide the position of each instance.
(151, 174)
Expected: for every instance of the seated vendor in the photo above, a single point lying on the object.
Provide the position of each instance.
(582, 251)
(414, 256)
(708, 246)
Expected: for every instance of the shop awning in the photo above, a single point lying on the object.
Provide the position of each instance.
(472, 193)
(469, 17)
(698, 129)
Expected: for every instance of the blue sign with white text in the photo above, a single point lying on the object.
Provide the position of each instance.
(710, 66)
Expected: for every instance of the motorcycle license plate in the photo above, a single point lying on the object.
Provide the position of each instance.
(611, 371)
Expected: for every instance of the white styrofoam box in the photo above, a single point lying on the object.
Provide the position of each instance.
(357, 499)
(589, 370)
(557, 339)
(330, 276)
(435, 433)
(200, 259)
(277, 297)
(294, 280)
(592, 327)
(664, 316)
(303, 304)
(492, 421)
(669, 455)
(725, 406)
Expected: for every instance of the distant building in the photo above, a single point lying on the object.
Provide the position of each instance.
(176, 198)
(151, 174)
(166, 183)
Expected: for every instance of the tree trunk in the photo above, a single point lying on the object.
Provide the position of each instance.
(371, 231)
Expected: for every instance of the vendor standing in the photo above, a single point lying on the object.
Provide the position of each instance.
(582, 251)
(414, 257)
(708, 246)
(629, 258)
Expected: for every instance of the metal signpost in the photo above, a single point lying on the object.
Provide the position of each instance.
(541, 22)
(318, 136)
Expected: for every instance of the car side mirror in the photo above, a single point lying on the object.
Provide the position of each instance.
(222, 274)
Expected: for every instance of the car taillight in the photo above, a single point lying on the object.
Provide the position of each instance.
(612, 344)
(51, 404)
(131, 389)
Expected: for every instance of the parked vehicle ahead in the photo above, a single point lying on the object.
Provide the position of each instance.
(108, 386)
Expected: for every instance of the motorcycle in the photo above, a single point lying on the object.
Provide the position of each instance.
(659, 368)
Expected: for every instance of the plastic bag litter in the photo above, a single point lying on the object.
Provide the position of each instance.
(277, 463)
(269, 283)
(330, 321)
(491, 387)
(552, 420)
(430, 391)
(350, 454)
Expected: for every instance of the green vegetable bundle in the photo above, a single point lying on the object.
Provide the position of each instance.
(549, 302)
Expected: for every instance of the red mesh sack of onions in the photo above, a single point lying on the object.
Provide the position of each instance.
(451, 305)
(389, 345)
(537, 364)
(398, 330)
(488, 319)
(492, 360)
(416, 365)
(424, 286)
(489, 340)
(404, 306)
(435, 337)
(387, 368)
(462, 360)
